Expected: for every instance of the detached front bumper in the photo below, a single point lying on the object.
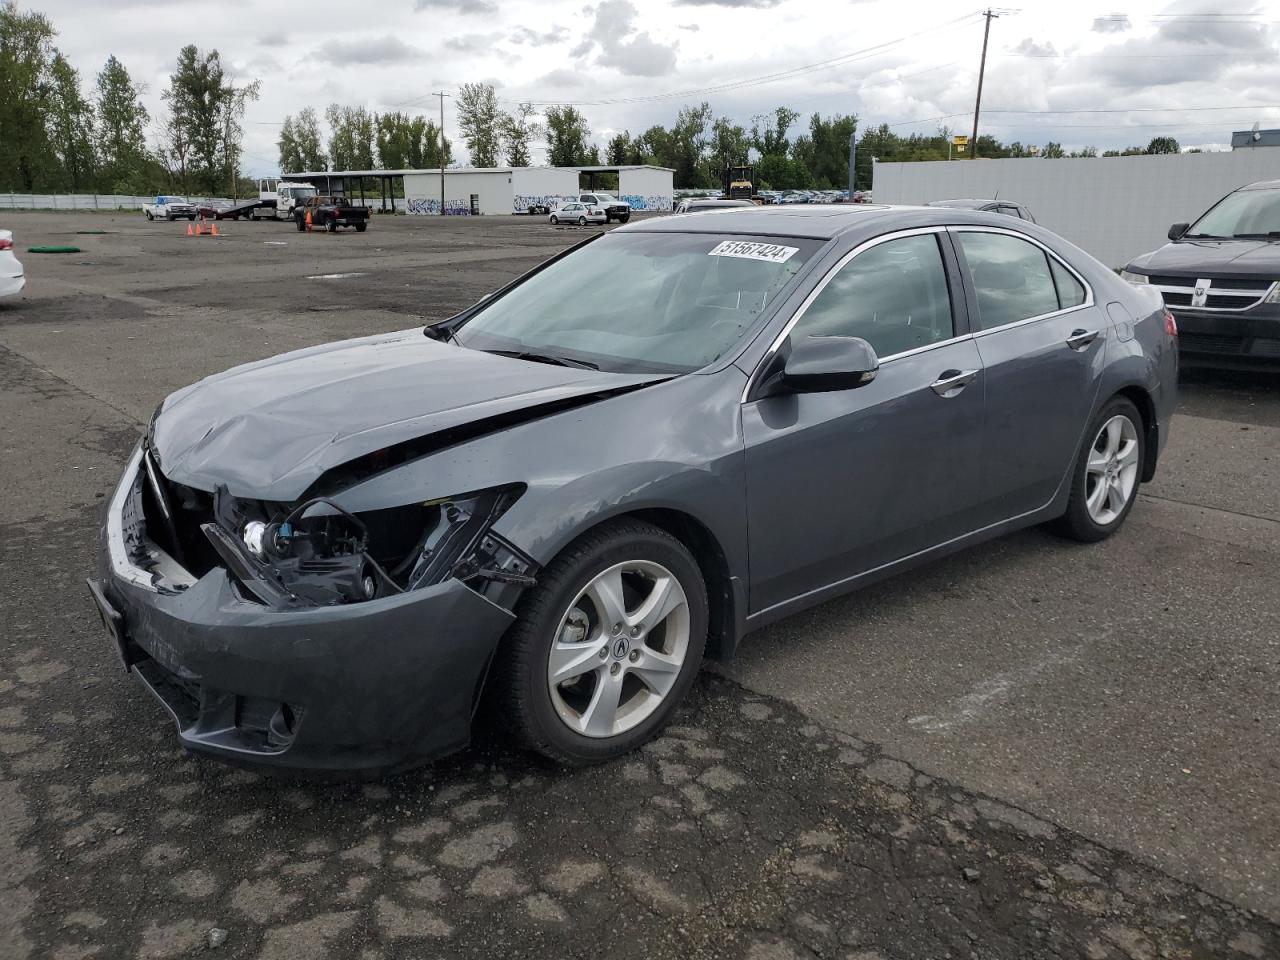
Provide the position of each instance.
(363, 686)
(1248, 338)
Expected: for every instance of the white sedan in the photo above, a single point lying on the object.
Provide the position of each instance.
(11, 276)
(579, 213)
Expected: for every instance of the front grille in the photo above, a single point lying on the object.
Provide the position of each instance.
(1221, 293)
(1210, 343)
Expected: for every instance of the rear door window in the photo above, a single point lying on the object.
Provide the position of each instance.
(1011, 278)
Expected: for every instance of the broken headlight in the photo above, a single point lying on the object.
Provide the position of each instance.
(319, 553)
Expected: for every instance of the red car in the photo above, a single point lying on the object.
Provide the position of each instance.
(216, 210)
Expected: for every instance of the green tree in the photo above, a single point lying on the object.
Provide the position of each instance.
(688, 145)
(197, 98)
(398, 137)
(71, 130)
(479, 119)
(234, 101)
(828, 159)
(1163, 145)
(517, 132)
(351, 137)
(1052, 151)
(618, 150)
(306, 132)
(567, 133)
(290, 158)
(26, 52)
(122, 119)
(769, 132)
(729, 145)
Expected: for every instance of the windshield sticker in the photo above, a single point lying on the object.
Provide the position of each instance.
(751, 250)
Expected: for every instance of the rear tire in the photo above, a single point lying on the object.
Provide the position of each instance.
(624, 218)
(361, 227)
(648, 671)
(1106, 474)
(582, 221)
(301, 226)
(332, 226)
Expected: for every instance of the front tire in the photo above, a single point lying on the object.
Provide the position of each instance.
(555, 220)
(301, 226)
(1107, 471)
(624, 218)
(605, 646)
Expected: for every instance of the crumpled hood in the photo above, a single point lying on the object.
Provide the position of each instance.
(269, 429)
(1214, 258)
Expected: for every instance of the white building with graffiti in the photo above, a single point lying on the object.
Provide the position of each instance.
(487, 191)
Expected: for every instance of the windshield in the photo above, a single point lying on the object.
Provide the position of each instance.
(1244, 213)
(665, 302)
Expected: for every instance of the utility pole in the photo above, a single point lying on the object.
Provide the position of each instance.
(441, 95)
(982, 69)
(853, 158)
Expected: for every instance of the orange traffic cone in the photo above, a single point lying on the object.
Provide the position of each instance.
(213, 230)
(190, 232)
(308, 221)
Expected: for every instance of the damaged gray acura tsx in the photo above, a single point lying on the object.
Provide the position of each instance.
(563, 498)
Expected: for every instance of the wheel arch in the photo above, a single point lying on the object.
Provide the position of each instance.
(1141, 398)
(726, 602)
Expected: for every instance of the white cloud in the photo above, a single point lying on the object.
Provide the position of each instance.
(369, 51)
(639, 56)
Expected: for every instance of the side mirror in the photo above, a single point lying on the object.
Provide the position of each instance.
(823, 364)
(1177, 230)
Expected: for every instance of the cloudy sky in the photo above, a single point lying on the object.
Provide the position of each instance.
(1069, 72)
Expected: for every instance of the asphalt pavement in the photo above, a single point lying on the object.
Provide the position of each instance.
(1031, 749)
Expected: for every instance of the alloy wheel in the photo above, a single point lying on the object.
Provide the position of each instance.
(619, 648)
(1111, 473)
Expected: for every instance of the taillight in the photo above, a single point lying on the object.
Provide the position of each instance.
(6, 244)
(1170, 325)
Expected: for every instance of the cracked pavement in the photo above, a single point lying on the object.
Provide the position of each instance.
(966, 762)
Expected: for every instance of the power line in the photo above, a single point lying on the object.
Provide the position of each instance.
(865, 53)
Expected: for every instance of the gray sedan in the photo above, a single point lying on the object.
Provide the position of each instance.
(563, 498)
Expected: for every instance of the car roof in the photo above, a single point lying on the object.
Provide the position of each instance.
(965, 203)
(813, 220)
(1262, 185)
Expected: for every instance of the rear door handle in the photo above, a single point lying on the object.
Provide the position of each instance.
(951, 382)
(1080, 339)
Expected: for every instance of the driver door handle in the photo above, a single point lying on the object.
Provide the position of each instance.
(1080, 339)
(951, 382)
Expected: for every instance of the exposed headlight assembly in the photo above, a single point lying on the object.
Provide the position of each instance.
(318, 553)
(1134, 278)
(1274, 295)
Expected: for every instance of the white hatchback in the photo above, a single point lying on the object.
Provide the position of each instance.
(11, 276)
(579, 213)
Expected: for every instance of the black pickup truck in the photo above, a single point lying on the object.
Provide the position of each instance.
(330, 213)
(1220, 278)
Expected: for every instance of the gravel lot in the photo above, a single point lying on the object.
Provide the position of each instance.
(1033, 749)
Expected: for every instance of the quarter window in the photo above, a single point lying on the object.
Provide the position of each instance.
(1070, 290)
(893, 295)
(1010, 276)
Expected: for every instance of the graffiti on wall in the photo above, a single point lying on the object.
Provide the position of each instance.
(523, 201)
(431, 206)
(653, 202)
